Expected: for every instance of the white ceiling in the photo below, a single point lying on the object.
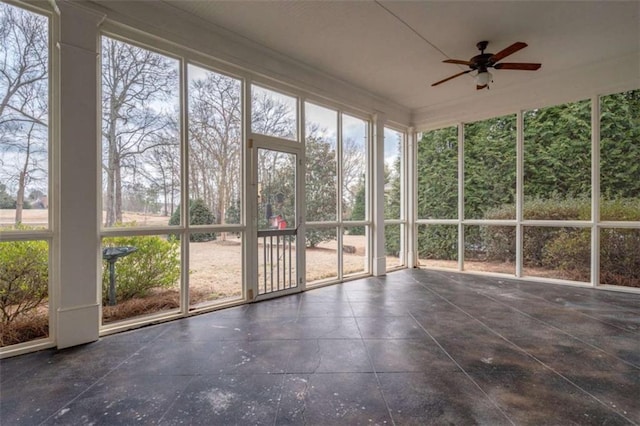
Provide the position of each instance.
(364, 44)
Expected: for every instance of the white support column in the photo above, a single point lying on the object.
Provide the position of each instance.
(460, 196)
(519, 192)
(78, 313)
(377, 207)
(595, 191)
(412, 197)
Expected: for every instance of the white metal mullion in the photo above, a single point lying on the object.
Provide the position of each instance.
(595, 191)
(368, 203)
(437, 221)
(340, 182)
(184, 206)
(519, 191)
(404, 198)
(250, 249)
(301, 192)
(411, 205)
(460, 196)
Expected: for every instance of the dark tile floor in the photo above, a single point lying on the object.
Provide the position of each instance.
(414, 347)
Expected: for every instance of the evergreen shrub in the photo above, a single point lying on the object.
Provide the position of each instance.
(569, 249)
(438, 242)
(24, 277)
(199, 214)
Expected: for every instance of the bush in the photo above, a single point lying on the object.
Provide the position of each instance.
(500, 240)
(569, 249)
(392, 240)
(619, 257)
(199, 214)
(438, 242)
(154, 265)
(24, 277)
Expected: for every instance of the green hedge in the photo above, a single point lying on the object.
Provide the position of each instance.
(24, 277)
(569, 249)
(566, 249)
(438, 242)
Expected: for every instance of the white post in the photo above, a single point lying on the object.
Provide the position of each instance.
(410, 156)
(519, 193)
(377, 208)
(78, 313)
(460, 196)
(595, 191)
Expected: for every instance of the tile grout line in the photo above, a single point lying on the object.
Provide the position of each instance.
(529, 355)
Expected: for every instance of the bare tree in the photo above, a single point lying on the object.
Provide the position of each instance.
(272, 116)
(139, 90)
(215, 141)
(353, 169)
(23, 99)
(164, 176)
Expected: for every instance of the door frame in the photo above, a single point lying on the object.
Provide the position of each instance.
(270, 143)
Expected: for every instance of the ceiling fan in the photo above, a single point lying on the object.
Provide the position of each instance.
(484, 61)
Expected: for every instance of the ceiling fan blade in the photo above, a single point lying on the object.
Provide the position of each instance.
(480, 87)
(517, 66)
(457, 61)
(450, 78)
(508, 51)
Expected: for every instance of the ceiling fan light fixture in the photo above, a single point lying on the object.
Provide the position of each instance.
(484, 78)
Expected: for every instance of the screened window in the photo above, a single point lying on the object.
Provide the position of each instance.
(437, 169)
(140, 135)
(215, 146)
(490, 168)
(557, 162)
(273, 113)
(24, 176)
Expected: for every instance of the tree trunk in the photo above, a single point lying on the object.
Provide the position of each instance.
(20, 197)
(118, 189)
(22, 179)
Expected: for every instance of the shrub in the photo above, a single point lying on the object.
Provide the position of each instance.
(625, 209)
(392, 240)
(569, 249)
(154, 265)
(438, 242)
(199, 214)
(619, 256)
(24, 277)
(500, 240)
